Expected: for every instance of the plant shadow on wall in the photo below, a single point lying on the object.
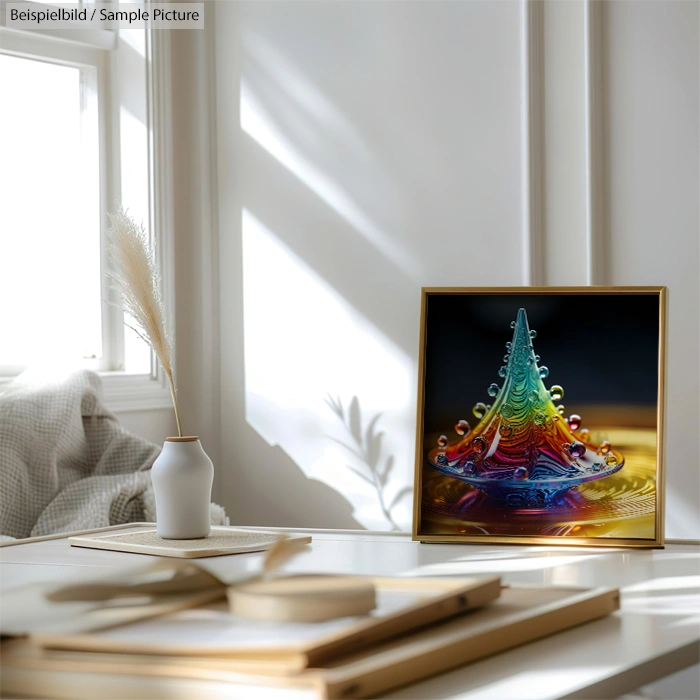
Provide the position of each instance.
(367, 448)
(323, 236)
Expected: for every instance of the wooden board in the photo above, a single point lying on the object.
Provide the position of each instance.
(522, 614)
(220, 542)
(25, 610)
(403, 605)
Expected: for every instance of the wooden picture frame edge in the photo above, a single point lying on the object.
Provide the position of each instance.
(658, 541)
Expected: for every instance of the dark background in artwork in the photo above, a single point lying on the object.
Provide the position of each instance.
(602, 348)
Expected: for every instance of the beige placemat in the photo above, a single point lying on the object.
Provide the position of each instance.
(221, 541)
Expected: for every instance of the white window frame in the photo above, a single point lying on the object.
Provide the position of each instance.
(95, 49)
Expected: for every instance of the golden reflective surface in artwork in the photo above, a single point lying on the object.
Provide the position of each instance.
(621, 505)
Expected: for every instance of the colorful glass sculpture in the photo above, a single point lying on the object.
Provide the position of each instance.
(522, 451)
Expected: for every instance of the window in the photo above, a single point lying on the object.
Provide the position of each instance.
(50, 214)
(77, 135)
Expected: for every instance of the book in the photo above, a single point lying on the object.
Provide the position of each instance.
(520, 615)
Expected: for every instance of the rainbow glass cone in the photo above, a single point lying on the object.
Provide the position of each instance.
(523, 450)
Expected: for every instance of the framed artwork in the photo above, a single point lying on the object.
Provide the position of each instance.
(540, 416)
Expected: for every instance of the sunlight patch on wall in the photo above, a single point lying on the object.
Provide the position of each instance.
(317, 109)
(260, 125)
(304, 342)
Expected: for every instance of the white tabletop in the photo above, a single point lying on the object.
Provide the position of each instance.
(655, 633)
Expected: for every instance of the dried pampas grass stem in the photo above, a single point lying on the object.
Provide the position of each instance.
(281, 552)
(136, 278)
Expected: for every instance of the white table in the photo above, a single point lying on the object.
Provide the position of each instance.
(656, 632)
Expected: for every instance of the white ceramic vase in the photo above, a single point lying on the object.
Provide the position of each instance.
(182, 477)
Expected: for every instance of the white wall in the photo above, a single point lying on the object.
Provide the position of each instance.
(639, 164)
(367, 149)
(364, 164)
(652, 156)
(154, 425)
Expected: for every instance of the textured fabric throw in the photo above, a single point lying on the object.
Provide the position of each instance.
(65, 462)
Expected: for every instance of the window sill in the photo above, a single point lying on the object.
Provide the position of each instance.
(134, 392)
(123, 393)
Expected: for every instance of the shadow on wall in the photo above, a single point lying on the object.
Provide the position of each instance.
(302, 339)
(342, 292)
(334, 205)
(336, 283)
(284, 496)
(367, 448)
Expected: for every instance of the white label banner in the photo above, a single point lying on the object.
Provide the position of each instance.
(127, 15)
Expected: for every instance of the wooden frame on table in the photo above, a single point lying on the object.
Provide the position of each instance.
(597, 331)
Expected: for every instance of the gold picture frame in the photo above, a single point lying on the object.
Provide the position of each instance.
(485, 497)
